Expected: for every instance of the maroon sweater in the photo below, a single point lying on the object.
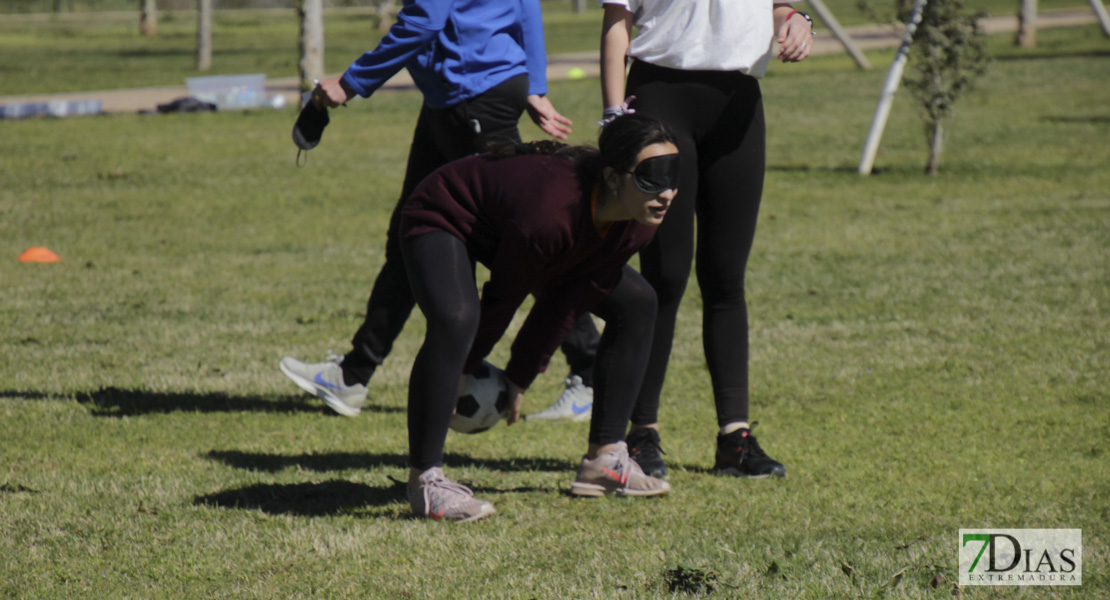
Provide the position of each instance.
(528, 220)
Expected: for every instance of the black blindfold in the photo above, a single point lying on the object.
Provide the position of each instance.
(657, 174)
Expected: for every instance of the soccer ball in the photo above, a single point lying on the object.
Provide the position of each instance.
(482, 402)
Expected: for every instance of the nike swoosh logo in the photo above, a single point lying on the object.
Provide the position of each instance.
(320, 381)
(579, 409)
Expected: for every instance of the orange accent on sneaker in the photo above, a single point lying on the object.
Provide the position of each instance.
(619, 479)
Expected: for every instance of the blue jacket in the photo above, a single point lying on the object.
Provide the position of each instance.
(457, 49)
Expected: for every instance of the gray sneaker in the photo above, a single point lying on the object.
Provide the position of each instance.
(615, 472)
(325, 380)
(576, 403)
(433, 495)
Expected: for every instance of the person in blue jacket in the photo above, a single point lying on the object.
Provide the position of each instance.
(480, 64)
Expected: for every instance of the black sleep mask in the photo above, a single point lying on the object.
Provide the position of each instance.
(310, 125)
(657, 174)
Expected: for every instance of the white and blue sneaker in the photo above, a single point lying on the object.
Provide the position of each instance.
(576, 403)
(325, 381)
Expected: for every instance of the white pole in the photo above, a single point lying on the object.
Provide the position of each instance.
(1103, 19)
(886, 98)
(840, 33)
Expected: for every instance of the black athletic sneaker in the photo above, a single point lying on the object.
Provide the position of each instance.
(739, 455)
(644, 448)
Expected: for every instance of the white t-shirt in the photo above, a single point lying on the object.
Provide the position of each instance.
(703, 35)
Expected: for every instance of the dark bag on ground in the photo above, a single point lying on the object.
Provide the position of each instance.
(186, 105)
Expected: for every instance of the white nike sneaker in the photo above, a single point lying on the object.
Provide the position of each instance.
(576, 403)
(325, 381)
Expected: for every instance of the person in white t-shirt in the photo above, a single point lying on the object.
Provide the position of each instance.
(696, 66)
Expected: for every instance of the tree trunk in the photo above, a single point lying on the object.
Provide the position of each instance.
(385, 14)
(148, 19)
(934, 149)
(1027, 24)
(204, 35)
(311, 42)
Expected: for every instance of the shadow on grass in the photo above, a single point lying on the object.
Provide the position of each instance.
(305, 499)
(151, 53)
(844, 169)
(704, 470)
(114, 402)
(342, 461)
(28, 395)
(1068, 120)
(175, 52)
(1049, 54)
(811, 169)
(320, 499)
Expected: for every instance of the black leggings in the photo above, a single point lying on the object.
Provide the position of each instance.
(441, 275)
(718, 120)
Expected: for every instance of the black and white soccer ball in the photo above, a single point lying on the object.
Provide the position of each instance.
(483, 400)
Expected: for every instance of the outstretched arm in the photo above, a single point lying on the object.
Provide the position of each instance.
(540, 109)
(418, 24)
(548, 119)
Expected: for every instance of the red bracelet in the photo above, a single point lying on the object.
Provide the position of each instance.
(798, 12)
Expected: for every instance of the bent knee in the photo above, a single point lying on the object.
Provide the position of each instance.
(454, 328)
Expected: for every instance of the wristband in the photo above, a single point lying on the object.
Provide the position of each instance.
(611, 113)
(804, 16)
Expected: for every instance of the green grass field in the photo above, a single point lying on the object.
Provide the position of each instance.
(929, 354)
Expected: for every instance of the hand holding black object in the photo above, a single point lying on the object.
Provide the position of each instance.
(310, 125)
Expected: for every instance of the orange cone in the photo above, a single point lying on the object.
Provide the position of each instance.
(39, 254)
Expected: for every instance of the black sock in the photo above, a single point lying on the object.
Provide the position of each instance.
(357, 369)
(587, 376)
